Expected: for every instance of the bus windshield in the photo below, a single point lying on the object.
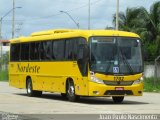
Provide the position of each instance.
(116, 55)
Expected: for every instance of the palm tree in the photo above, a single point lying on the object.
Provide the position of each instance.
(144, 23)
(151, 34)
(131, 20)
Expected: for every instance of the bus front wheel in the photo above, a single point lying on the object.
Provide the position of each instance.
(63, 95)
(71, 91)
(30, 91)
(118, 99)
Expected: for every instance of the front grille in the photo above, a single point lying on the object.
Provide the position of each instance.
(118, 92)
(118, 83)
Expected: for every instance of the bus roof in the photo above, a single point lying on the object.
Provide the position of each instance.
(70, 33)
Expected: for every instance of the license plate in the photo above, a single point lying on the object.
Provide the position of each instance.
(119, 88)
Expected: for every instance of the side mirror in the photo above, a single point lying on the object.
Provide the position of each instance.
(83, 51)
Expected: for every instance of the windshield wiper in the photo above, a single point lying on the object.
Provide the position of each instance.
(107, 68)
(106, 73)
(126, 61)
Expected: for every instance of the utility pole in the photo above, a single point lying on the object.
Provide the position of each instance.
(13, 19)
(1, 35)
(1, 43)
(13, 26)
(1, 28)
(89, 15)
(117, 15)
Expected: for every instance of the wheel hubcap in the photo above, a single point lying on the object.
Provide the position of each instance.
(29, 87)
(71, 90)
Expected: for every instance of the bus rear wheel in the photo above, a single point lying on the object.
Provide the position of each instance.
(30, 91)
(118, 99)
(71, 91)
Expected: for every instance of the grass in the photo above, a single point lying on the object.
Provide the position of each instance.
(149, 85)
(4, 75)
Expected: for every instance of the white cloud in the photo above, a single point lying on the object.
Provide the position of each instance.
(48, 10)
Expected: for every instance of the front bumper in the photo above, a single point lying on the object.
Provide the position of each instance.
(96, 89)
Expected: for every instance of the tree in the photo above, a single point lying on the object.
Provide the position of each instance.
(130, 20)
(153, 27)
(4, 61)
(144, 23)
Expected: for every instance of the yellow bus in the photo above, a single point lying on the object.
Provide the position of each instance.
(78, 63)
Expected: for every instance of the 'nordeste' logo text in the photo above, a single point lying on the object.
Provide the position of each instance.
(28, 68)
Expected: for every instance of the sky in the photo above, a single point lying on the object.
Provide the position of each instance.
(37, 15)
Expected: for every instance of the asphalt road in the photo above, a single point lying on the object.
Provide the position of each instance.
(15, 101)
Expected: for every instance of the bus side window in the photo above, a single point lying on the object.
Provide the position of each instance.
(53, 56)
(48, 50)
(37, 51)
(25, 51)
(42, 51)
(54, 50)
(34, 51)
(77, 43)
(75, 48)
(82, 63)
(32, 47)
(15, 52)
(72, 45)
(69, 49)
(58, 49)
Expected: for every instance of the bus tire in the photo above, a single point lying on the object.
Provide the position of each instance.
(71, 91)
(37, 93)
(30, 91)
(118, 99)
(64, 95)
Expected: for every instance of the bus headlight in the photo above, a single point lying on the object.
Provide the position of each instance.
(96, 80)
(138, 81)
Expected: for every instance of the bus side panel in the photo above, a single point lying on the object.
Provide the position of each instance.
(53, 77)
(14, 80)
(14, 76)
(22, 80)
(48, 76)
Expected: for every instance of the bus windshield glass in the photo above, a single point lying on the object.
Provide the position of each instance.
(116, 55)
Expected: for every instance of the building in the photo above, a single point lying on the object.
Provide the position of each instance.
(4, 46)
